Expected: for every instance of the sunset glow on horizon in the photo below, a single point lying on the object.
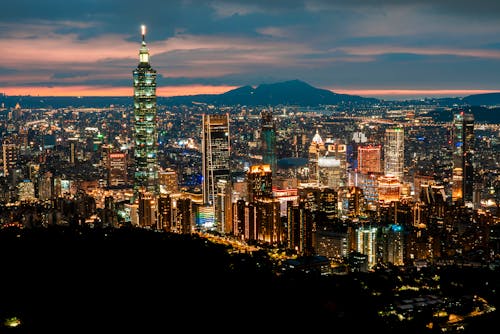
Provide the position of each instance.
(388, 49)
(112, 91)
(207, 89)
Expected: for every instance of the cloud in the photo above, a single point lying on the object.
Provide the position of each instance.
(234, 42)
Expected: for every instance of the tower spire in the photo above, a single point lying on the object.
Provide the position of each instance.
(143, 52)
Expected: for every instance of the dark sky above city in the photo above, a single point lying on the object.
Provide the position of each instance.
(364, 47)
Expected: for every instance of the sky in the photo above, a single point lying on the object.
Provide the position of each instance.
(386, 48)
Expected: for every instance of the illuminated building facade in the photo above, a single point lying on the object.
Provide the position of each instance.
(268, 140)
(147, 210)
(316, 150)
(117, 169)
(145, 119)
(332, 165)
(366, 243)
(223, 207)
(463, 154)
(268, 218)
(10, 153)
(259, 182)
(394, 152)
(168, 181)
(369, 159)
(389, 189)
(215, 156)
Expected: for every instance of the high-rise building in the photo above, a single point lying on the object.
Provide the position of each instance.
(145, 118)
(463, 154)
(268, 140)
(147, 210)
(389, 189)
(10, 153)
(369, 159)
(215, 156)
(366, 243)
(316, 150)
(300, 232)
(394, 152)
(117, 169)
(332, 165)
(169, 182)
(259, 182)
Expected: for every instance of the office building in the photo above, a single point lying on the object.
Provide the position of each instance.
(259, 182)
(369, 159)
(268, 141)
(463, 154)
(394, 152)
(215, 158)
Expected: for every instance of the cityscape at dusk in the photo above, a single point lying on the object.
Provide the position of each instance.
(238, 166)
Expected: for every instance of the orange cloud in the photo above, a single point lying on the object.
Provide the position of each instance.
(381, 50)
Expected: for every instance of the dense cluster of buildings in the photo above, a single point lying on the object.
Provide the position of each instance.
(359, 189)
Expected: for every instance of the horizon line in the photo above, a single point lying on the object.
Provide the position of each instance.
(191, 90)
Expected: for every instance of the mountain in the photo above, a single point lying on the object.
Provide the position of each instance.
(491, 99)
(293, 92)
(482, 114)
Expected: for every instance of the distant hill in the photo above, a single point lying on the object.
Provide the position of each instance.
(482, 114)
(293, 92)
(489, 99)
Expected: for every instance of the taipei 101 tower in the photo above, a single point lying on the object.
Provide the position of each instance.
(144, 121)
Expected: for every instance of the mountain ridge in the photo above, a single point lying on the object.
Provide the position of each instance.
(291, 92)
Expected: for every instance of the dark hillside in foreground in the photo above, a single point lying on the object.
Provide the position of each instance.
(66, 280)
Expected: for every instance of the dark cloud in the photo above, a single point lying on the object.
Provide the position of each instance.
(366, 43)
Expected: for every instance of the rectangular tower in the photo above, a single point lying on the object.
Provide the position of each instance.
(215, 157)
(394, 146)
(463, 152)
(268, 140)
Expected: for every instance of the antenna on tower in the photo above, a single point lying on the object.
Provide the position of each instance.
(143, 31)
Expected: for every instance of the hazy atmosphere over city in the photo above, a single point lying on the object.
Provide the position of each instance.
(370, 48)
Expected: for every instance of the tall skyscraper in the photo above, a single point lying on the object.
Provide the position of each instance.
(215, 156)
(394, 148)
(463, 154)
(145, 136)
(268, 140)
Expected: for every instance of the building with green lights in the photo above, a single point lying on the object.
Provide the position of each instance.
(268, 140)
(144, 121)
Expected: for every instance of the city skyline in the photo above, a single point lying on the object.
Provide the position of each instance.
(426, 48)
